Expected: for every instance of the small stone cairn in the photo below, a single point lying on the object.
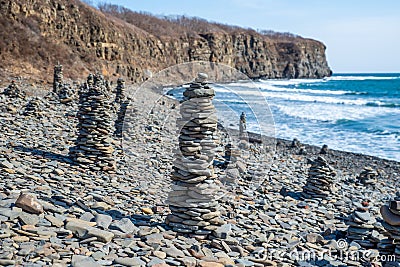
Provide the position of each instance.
(93, 147)
(324, 149)
(321, 179)
(122, 103)
(120, 91)
(243, 135)
(14, 91)
(57, 78)
(34, 107)
(368, 176)
(192, 200)
(391, 216)
(232, 154)
(61, 91)
(361, 227)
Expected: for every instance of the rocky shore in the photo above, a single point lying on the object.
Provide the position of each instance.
(54, 212)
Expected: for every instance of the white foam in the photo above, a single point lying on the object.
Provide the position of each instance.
(356, 142)
(331, 113)
(360, 78)
(271, 87)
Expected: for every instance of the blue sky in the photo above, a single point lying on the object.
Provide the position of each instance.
(361, 36)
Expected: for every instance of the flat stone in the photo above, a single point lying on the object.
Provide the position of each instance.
(4, 262)
(223, 231)
(174, 252)
(124, 225)
(390, 217)
(29, 219)
(210, 264)
(54, 221)
(103, 221)
(29, 203)
(83, 261)
(364, 216)
(136, 261)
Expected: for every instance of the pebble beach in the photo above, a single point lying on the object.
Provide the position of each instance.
(56, 212)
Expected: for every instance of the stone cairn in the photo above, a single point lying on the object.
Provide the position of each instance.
(34, 107)
(361, 227)
(192, 200)
(368, 176)
(61, 91)
(243, 135)
(13, 91)
(321, 178)
(391, 222)
(120, 91)
(324, 149)
(120, 98)
(93, 147)
(57, 78)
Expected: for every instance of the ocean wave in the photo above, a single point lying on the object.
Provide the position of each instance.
(334, 114)
(360, 78)
(282, 95)
(383, 104)
(270, 87)
(291, 81)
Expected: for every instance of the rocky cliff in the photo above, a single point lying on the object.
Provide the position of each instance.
(35, 34)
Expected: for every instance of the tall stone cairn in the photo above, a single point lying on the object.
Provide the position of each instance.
(193, 204)
(14, 91)
(120, 91)
(391, 216)
(57, 78)
(321, 179)
(93, 149)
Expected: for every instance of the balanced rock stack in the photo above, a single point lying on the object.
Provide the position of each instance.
(34, 107)
(57, 78)
(13, 91)
(120, 91)
(93, 147)
(391, 216)
(192, 200)
(324, 149)
(232, 173)
(361, 227)
(368, 176)
(243, 135)
(66, 94)
(321, 179)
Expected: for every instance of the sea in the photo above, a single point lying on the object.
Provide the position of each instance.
(358, 113)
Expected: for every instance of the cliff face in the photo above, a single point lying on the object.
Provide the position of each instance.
(35, 34)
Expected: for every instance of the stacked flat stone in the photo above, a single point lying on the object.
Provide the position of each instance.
(232, 154)
(14, 91)
(242, 125)
(66, 94)
(57, 78)
(368, 176)
(361, 227)
(192, 200)
(324, 149)
(93, 147)
(321, 179)
(120, 91)
(391, 216)
(243, 135)
(34, 107)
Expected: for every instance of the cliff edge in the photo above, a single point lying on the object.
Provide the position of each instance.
(36, 34)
